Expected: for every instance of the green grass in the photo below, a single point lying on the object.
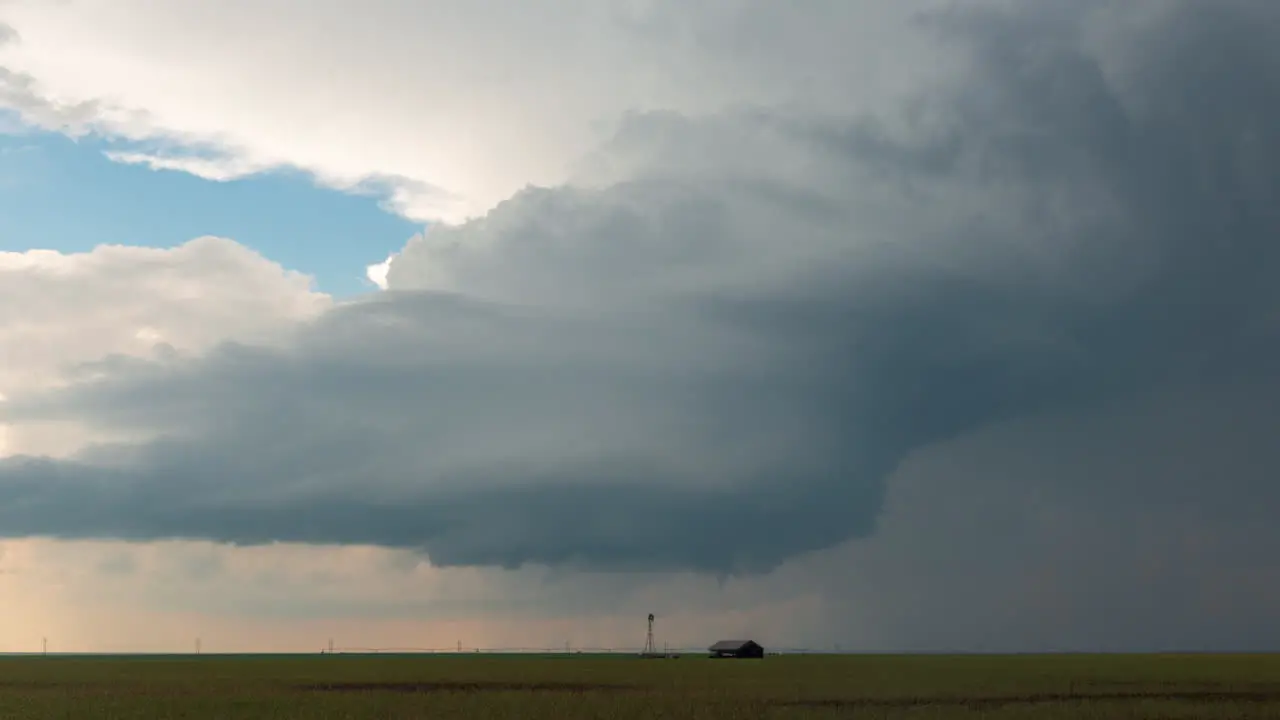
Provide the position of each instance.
(567, 687)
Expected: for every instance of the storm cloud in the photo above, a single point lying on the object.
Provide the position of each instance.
(711, 351)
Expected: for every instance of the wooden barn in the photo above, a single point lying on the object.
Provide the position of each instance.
(737, 649)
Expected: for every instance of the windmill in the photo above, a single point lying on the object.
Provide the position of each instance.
(648, 642)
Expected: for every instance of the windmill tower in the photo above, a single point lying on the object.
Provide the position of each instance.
(648, 641)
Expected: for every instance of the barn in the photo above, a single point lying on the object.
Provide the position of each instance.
(737, 649)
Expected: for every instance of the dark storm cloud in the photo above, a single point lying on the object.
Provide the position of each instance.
(1090, 212)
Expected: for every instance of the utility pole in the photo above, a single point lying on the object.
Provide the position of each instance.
(197, 646)
(44, 646)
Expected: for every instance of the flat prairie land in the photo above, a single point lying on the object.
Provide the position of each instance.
(580, 686)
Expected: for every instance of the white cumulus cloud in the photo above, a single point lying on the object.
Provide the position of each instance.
(62, 311)
(461, 104)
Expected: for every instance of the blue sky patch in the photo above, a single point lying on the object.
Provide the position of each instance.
(63, 194)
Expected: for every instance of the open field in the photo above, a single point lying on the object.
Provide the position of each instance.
(566, 687)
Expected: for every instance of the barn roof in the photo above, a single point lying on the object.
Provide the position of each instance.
(731, 645)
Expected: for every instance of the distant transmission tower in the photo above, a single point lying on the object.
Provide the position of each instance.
(648, 641)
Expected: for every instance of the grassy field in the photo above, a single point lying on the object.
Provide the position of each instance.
(567, 687)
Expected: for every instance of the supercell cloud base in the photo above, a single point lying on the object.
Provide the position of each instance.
(945, 327)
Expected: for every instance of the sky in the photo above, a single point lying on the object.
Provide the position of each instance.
(67, 194)
(886, 326)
